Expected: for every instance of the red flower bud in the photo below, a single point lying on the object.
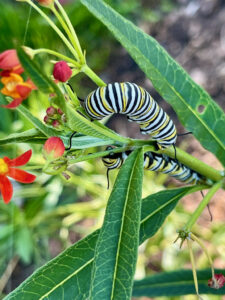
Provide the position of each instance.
(62, 71)
(60, 112)
(46, 3)
(53, 148)
(55, 123)
(217, 281)
(50, 111)
(47, 120)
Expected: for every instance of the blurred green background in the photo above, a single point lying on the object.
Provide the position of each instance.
(51, 214)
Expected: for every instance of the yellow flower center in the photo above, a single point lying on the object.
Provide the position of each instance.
(3, 167)
(10, 82)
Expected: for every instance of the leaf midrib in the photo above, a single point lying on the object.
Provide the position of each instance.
(121, 227)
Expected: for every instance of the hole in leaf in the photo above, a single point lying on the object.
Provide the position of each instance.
(201, 108)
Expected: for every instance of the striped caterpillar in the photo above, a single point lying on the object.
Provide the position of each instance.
(156, 162)
(138, 105)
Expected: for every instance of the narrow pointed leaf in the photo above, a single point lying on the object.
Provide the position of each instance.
(175, 284)
(168, 78)
(35, 121)
(21, 137)
(116, 250)
(70, 272)
(81, 124)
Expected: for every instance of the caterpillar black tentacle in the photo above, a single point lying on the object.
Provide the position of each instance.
(138, 105)
(157, 162)
(70, 141)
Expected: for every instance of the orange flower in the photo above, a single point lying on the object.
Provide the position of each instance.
(9, 63)
(6, 169)
(46, 3)
(15, 87)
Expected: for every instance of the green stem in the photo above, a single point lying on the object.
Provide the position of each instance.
(193, 163)
(72, 95)
(63, 57)
(194, 237)
(52, 24)
(202, 206)
(94, 77)
(193, 266)
(76, 40)
(95, 155)
(65, 27)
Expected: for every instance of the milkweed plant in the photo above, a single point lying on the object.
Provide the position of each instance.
(102, 265)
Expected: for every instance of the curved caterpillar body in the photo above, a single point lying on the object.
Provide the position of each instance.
(138, 105)
(156, 162)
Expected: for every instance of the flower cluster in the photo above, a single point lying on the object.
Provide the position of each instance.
(55, 117)
(7, 170)
(14, 84)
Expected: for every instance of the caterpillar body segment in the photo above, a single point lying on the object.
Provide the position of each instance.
(159, 163)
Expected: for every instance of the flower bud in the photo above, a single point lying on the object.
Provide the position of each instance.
(217, 281)
(60, 112)
(56, 124)
(50, 111)
(62, 71)
(47, 120)
(46, 3)
(53, 148)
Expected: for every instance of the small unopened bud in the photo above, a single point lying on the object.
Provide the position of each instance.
(46, 3)
(53, 148)
(47, 120)
(56, 124)
(217, 281)
(60, 112)
(30, 52)
(62, 71)
(50, 111)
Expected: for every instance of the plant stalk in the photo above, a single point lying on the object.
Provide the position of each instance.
(202, 206)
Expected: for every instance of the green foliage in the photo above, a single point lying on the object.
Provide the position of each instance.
(176, 283)
(116, 249)
(76, 276)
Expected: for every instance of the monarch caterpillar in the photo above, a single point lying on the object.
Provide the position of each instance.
(138, 105)
(156, 162)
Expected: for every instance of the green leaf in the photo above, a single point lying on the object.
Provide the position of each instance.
(21, 137)
(83, 142)
(69, 274)
(80, 124)
(35, 121)
(42, 82)
(175, 284)
(116, 249)
(168, 78)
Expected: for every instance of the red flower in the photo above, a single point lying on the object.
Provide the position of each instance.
(9, 63)
(62, 71)
(15, 87)
(6, 169)
(217, 281)
(53, 148)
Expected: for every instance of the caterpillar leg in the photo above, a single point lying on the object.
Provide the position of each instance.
(175, 152)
